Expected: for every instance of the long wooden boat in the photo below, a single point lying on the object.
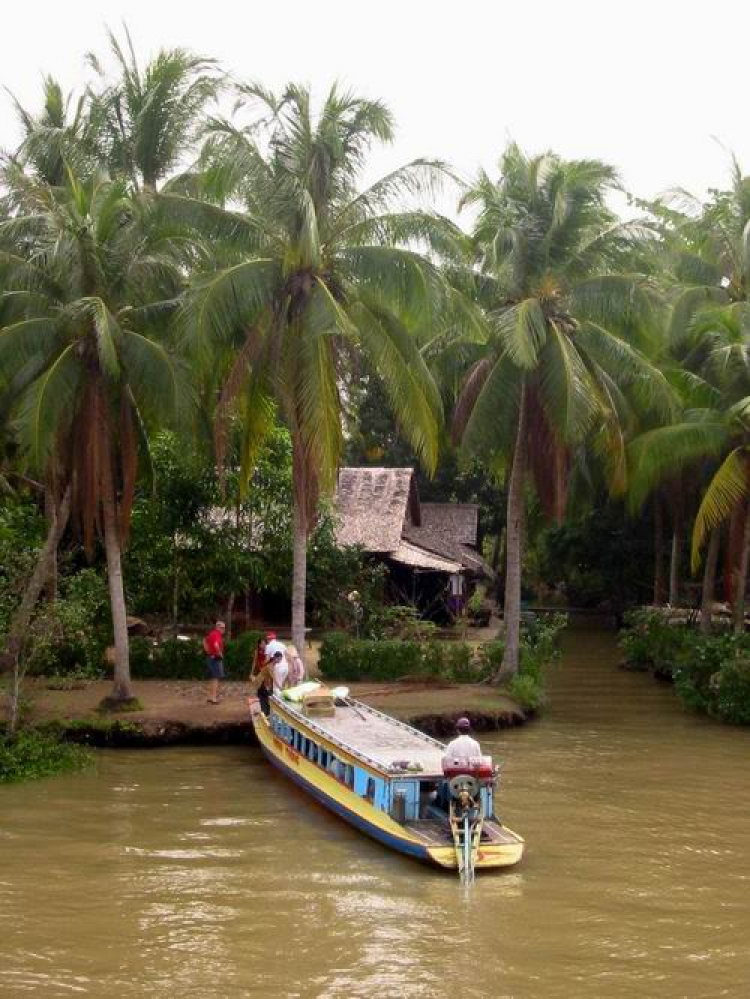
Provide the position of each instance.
(392, 782)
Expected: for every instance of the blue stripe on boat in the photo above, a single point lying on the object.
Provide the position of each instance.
(395, 842)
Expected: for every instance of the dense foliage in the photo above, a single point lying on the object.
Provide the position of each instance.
(202, 316)
(346, 658)
(32, 755)
(711, 673)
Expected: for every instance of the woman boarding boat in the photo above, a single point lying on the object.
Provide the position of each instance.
(387, 779)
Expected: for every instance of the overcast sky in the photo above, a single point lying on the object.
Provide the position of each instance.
(656, 90)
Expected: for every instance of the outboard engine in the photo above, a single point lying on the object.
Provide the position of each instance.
(465, 778)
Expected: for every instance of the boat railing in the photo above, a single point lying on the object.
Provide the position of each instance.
(382, 768)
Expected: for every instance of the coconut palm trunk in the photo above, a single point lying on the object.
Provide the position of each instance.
(43, 571)
(659, 587)
(513, 546)
(121, 690)
(709, 582)
(299, 573)
(674, 567)
(739, 596)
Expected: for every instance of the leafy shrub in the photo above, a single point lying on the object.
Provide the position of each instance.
(711, 673)
(402, 621)
(345, 658)
(541, 633)
(491, 657)
(31, 755)
(731, 690)
(452, 661)
(69, 636)
(528, 690)
(238, 654)
(184, 659)
(651, 642)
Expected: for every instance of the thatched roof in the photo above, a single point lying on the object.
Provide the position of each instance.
(450, 530)
(374, 506)
(457, 521)
(417, 558)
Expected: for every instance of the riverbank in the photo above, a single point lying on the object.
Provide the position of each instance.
(176, 712)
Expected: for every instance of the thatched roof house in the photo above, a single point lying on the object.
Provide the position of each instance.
(379, 510)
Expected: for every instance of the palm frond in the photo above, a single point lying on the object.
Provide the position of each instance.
(522, 331)
(657, 455)
(728, 488)
(48, 407)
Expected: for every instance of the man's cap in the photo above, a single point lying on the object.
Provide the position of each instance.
(270, 635)
(463, 724)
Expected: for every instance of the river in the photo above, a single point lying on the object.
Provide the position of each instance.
(201, 873)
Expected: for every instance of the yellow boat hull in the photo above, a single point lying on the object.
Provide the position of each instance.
(374, 822)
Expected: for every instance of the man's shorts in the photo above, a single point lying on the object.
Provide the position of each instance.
(215, 667)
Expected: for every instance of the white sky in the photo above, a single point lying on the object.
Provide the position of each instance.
(647, 86)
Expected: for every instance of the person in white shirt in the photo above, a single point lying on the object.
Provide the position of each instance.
(280, 672)
(273, 645)
(463, 746)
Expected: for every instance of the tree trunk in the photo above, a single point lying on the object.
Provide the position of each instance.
(496, 550)
(739, 595)
(230, 614)
(299, 574)
(50, 512)
(659, 581)
(58, 521)
(674, 568)
(709, 581)
(513, 547)
(175, 586)
(121, 688)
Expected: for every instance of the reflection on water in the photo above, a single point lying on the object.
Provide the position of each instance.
(200, 872)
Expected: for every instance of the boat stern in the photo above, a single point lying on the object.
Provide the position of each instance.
(489, 855)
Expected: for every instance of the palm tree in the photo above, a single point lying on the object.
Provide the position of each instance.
(88, 272)
(312, 268)
(713, 435)
(62, 133)
(564, 354)
(147, 120)
(705, 261)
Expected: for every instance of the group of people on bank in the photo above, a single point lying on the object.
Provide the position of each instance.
(273, 667)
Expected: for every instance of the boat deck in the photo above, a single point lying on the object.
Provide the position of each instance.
(438, 833)
(377, 737)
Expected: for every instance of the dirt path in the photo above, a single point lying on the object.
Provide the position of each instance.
(177, 710)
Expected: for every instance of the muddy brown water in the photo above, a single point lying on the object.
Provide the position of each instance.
(200, 873)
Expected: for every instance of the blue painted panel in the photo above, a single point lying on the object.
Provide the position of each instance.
(388, 839)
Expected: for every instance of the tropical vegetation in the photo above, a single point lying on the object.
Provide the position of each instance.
(203, 314)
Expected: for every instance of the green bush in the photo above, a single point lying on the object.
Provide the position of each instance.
(68, 637)
(31, 755)
(711, 673)
(184, 659)
(651, 642)
(528, 690)
(345, 658)
(238, 654)
(491, 657)
(731, 693)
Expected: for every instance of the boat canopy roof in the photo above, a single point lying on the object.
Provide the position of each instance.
(376, 738)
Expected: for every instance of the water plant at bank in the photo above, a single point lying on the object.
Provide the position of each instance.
(711, 673)
(31, 755)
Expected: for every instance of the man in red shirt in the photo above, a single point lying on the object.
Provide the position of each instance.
(213, 645)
